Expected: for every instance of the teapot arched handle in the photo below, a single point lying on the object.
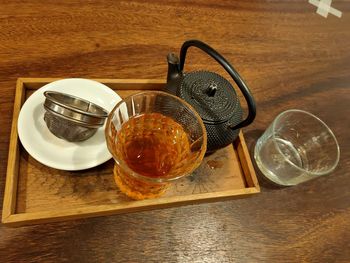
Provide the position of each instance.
(230, 70)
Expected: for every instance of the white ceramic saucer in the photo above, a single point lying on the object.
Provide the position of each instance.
(49, 150)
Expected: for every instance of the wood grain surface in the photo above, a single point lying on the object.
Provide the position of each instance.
(289, 56)
(35, 193)
(40, 194)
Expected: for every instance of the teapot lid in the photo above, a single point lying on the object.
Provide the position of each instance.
(210, 94)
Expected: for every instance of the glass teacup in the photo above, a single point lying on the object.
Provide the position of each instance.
(295, 148)
(154, 138)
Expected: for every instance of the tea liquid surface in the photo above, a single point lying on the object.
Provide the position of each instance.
(152, 144)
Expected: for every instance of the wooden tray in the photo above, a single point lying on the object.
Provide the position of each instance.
(35, 193)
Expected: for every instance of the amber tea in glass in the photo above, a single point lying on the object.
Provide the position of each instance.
(154, 138)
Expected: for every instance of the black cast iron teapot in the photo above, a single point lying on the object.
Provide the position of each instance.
(211, 95)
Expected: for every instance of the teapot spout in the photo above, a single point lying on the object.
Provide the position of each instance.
(173, 67)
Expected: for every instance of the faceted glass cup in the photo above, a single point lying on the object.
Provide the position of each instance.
(154, 138)
(295, 148)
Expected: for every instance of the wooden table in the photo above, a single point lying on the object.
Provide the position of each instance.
(290, 56)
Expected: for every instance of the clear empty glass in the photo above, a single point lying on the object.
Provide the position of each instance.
(295, 148)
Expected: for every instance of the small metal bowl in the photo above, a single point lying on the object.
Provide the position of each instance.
(72, 118)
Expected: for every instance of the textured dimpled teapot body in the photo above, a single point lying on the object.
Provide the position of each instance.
(212, 96)
(217, 103)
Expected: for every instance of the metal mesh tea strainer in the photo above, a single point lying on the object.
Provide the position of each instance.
(72, 118)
